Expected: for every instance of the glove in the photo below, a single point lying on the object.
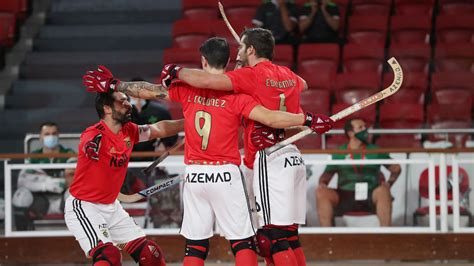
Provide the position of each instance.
(168, 74)
(263, 137)
(100, 80)
(318, 123)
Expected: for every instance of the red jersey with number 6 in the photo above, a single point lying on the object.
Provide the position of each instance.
(212, 119)
(275, 87)
(102, 162)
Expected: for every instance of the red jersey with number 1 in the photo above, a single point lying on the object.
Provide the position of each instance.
(102, 162)
(275, 87)
(212, 119)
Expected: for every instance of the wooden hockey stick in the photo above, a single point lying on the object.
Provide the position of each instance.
(147, 171)
(224, 17)
(163, 185)
(390, 90)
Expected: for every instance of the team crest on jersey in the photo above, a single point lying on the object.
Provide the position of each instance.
(105, 232)
(127, 142)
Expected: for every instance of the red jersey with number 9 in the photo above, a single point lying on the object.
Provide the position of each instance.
(212, 119)
(275, 87)
(102, 162)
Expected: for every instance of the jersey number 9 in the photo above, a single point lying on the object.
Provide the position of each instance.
(205, 130)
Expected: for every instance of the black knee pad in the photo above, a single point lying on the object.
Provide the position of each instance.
(238, 245)
(107, 252)
(293, 238)
(276, 240)
(197, 248)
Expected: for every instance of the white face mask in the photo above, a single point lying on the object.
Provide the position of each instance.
(50, 141)
(134, 101)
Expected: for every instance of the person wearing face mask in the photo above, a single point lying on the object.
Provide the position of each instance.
(359, 187)
(40, 190)
(280, 17)
(319, 21)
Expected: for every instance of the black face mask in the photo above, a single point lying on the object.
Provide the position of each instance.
(363, 136)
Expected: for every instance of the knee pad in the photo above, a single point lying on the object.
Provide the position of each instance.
(293, 237)
(145, 252)
(197, 248)
(271, 240)
(106, 253)
(238, 245)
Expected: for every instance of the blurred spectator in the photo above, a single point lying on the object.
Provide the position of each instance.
(280, 17)
(40, 191)
(319, 21)
(359, 187)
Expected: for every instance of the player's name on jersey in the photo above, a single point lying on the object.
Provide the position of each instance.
(293, 161)
(208, 177)
(283, 84)
(207, 101)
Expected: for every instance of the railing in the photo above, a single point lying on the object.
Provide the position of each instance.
(316, 159)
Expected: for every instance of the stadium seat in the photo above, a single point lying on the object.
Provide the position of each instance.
(199, 9)
(368, 114)
(310, 142)
(455, 112)
(186, 57)
(353, 87)
(413, 57)
(410, 29)
(240, 9)
(452, 81)
(453, 97)
(219, 28)
(315, 101)
(399, 141)
(8, 28)
(363, 58)
(393, 115)
(19, 8)
(457, 7)
(371, 7)
(318, 80)
(458, 140)
(412, 90)
(318, 58)
(423, 189)
(365, 29)
(189, 34)
(455, 29)
(454, 58)
(414, 7)
(283, 55)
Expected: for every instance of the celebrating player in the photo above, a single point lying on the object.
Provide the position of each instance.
(280, 181)
(214, 185)
(92, 212)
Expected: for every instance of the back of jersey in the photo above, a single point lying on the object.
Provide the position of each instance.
(212, 119)
(275, 87)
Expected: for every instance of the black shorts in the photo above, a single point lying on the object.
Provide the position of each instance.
(347, 203)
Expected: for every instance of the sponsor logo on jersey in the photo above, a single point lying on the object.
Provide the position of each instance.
(118, 161)
(293, 161)
(208, 177)
(127, 142)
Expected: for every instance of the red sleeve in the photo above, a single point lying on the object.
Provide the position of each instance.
(175, 91)
(244, 104)
(243, 80)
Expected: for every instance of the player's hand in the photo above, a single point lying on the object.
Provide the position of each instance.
(263, 137)
(100, 80)
(168, 74)
(319, 123)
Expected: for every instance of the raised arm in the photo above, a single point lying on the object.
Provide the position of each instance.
(143, 90)
(195, 77)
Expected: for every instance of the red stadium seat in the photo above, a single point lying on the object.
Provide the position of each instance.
(189, 57)
(237, 3)
(410, 29)
(458, 7)
(311, 142)
(455, 29)
(406, 115)
(450, 112)
(219, 28)
(363, 58)
(454, 58)
(19, 8)
(189, 34)
(353, 87)
(453, 98)
(413, 57)
(244, 13)
(318, 58)
(315, 101)
(368, 114)
(283, 55)
(365, 29)
(7, 29)
(371, 7)
(412, 91)
(398, 141)
(317, 80)
(452, 81)
(414, 7)
(199, 9)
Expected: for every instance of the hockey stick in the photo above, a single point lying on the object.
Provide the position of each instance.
(147, 171)
(390, 90)
(163, 185)
(224, 17)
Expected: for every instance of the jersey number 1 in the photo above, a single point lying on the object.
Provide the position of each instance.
(205, 130)
(282, 102)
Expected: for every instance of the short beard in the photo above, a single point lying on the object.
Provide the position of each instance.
(121, 118)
